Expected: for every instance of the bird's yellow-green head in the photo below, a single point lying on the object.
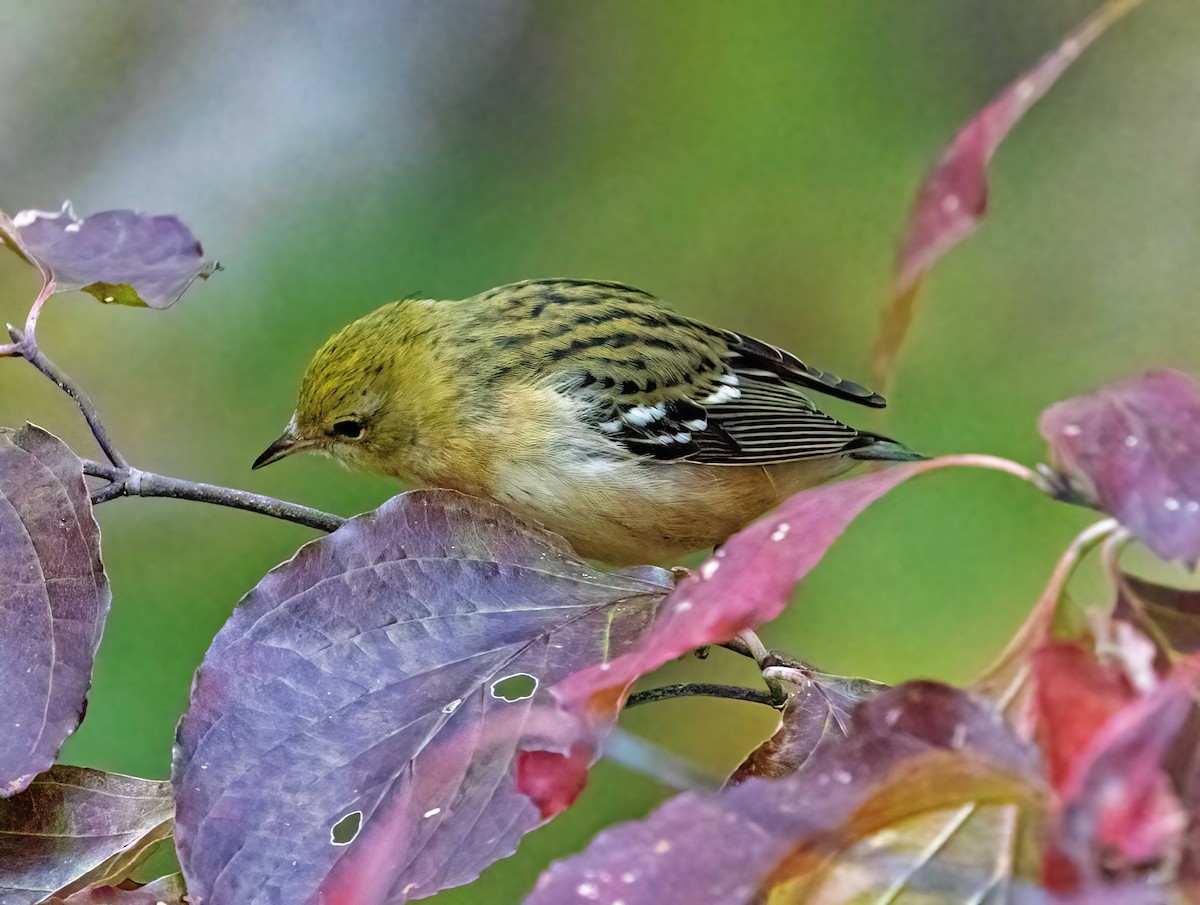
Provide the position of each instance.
(363, 395)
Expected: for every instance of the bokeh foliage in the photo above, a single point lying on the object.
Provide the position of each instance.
(751, 164)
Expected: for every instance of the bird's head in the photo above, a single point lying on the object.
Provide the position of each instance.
(354, 402)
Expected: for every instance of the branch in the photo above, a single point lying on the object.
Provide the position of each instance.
(732, 692)
(27, 349)
(124, 480)
(133, 482)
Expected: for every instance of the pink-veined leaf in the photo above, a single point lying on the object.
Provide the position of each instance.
(119, 257)
(374, 722)
(1133, 450)
(746, 583)
(953, 198)
(73, 828)
(54, 598)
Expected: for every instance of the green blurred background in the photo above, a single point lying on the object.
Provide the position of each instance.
(751, 163)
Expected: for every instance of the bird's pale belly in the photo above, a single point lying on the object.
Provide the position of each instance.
(647, 512)
(609, 503)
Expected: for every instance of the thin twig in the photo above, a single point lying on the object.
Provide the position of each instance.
(125, 480)
(701, 689)
(109, 491)
(28, 350)
(132, 482)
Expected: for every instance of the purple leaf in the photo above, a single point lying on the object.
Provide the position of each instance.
(1133, 450)
(953, 198)
(120, 257)
(917, 749)
(163, 891)
(818, 712)
(75, 827)
(747, 582)
(374, 721)
(54, 598)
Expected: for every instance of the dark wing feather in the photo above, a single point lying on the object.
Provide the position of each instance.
(751, 355)
(667, 386)
(753, 411)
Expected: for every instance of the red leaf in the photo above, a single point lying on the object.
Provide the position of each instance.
(1118, 814)
(953, 198)
(551, 779)
(1075, 696)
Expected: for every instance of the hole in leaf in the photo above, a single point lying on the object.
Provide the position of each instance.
(346, 830)
(516, 687)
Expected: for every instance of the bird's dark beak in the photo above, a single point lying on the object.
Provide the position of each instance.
(281, 448)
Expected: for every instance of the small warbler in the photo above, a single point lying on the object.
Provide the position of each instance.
(584, 406)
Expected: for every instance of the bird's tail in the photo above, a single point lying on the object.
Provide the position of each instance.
(883, 449)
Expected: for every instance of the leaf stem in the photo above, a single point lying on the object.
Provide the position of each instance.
(48, 289)
(134, 482)
(1004, 680)
(701, 689)
(27, 349)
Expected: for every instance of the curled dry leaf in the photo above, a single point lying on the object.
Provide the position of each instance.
(953, 198)
(911, 751)
(74, 828)
(1133, 450)
(818, 711)
(120, 257)
(374, 723)
(1169, 615)
(53, 601)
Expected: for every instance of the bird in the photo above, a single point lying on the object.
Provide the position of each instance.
(586, 407)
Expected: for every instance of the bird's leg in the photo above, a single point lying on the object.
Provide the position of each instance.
(748, 644)
(778, 668)
(764, 658)
(678, 574)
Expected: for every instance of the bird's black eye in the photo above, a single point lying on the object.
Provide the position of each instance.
(349, 429)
